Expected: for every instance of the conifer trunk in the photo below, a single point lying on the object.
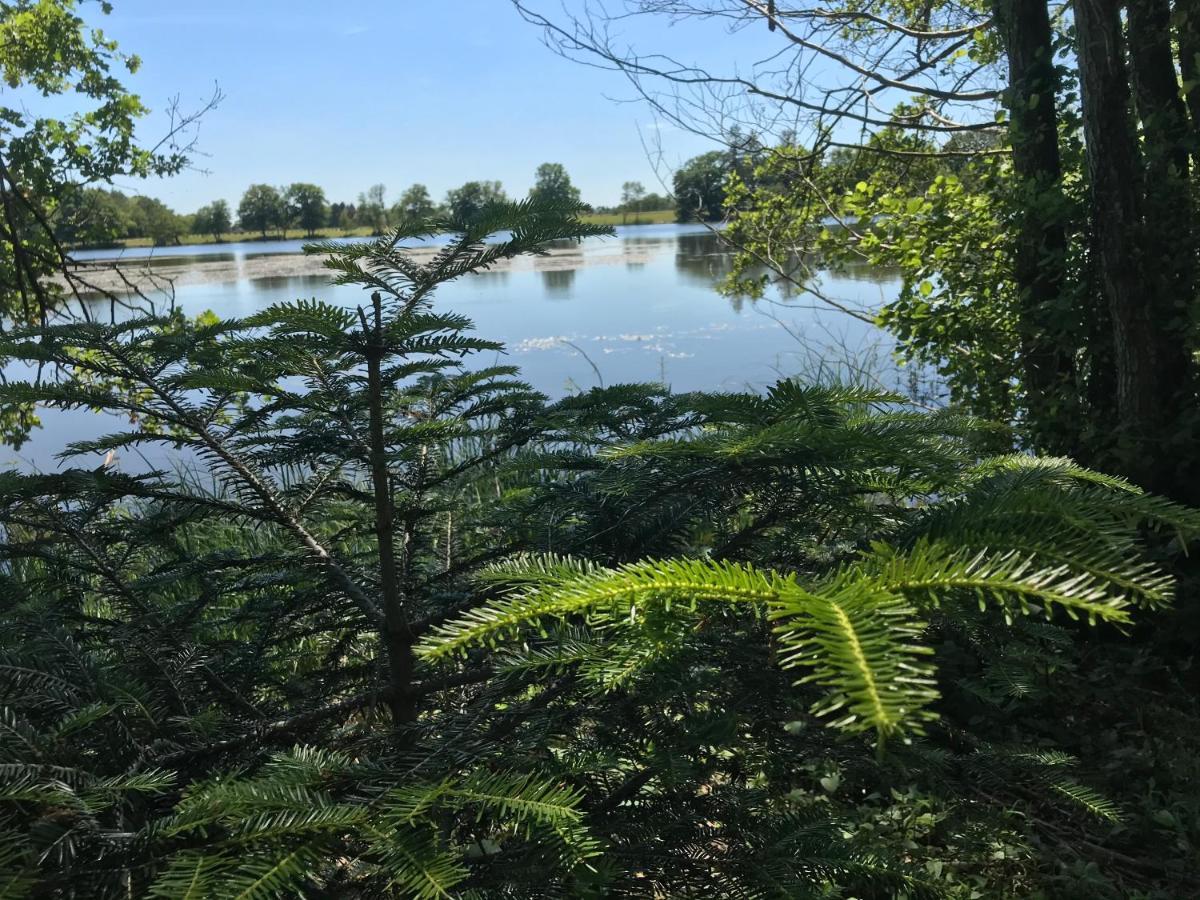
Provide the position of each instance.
(397, 635)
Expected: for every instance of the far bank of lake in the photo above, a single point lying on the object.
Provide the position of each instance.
(298, 235)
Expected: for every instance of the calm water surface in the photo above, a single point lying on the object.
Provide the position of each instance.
(640, 306)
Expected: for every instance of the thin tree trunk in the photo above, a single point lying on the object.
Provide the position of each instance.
(1040, 240)
(1115, 173)
(1187, 17)
(397, 635)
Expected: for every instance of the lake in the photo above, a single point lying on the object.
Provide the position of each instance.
(640, 306)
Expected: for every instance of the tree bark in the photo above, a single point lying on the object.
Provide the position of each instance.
(1114, 170)
(1040, 240)
(1168, 228)
(1156, 84)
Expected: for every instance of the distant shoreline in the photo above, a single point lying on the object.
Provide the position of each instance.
(653, 217)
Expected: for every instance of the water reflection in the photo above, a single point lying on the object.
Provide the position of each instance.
(490, 278)
(558, 283)
(703, 258)
(291, 284)
(699, 258)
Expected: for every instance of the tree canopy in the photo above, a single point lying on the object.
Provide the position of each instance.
(372, 208)
(306, 206)
(468, 200)
(213, 219)
(552, 184)
(48, 161)
(261, 209)
(699, 187)
(414, 203)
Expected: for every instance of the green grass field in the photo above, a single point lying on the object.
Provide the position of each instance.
(653, 217)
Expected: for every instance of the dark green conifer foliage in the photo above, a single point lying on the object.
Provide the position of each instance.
(407, 629)
(158, 626)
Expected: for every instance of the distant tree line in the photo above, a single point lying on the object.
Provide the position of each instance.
(98, 217)
(95, 217)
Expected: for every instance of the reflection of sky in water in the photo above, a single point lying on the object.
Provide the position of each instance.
(641, 307)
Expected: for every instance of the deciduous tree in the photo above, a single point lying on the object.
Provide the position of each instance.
(213, 219)
(372, 208)
(552, 184)
(700, 187)
(261, 209)
(306, 206)
(92, 217)
(51, 147)
(414, 203)
(157, 221)
(632, 193)
(466, 201)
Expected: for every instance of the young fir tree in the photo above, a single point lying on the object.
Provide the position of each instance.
(165, 634)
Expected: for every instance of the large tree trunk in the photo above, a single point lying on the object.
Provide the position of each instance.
(1169, 234)
(1115, 172)
(1040, 240)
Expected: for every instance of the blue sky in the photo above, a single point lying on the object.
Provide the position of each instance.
(347, 93)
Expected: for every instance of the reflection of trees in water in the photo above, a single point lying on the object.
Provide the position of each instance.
(700, 244)
(490, 277)
(635, 241)
(702, 258)
(290, 283)
(868, 273)
(161, 291)
(705, 259)
(167, 259)
(558, 282)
